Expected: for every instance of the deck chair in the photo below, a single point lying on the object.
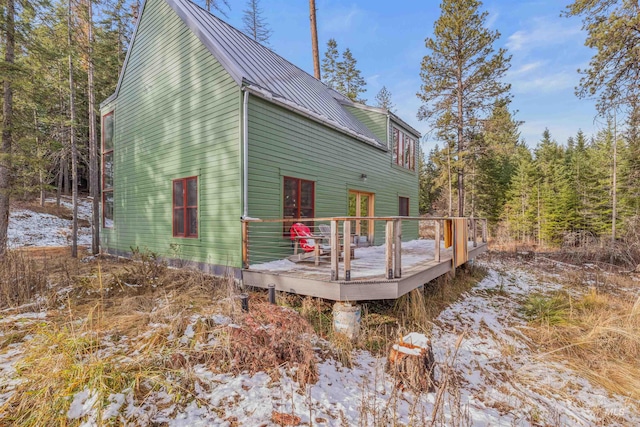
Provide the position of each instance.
(325, 230)
(311, 245)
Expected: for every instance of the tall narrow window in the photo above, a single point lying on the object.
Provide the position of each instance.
(403, 150)
(298, 200)
(107, 170)
(185, 207)
(403, 206)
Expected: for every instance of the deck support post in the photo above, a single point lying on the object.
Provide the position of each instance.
(346, 232)
(245, 244)
(335, 250)
(474, 232)
(436, 254)
(397, 248)
(388, 238)
(454, 241)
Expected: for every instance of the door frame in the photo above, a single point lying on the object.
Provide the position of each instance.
(371, 212)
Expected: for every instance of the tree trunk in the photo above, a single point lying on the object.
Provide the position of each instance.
(314, 39)
(72, 140)
(40, 156)
(94, 190)
(66, 184)
(7, 124)
(614, 185)
(460, 144)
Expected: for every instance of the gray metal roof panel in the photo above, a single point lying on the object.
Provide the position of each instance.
(246, 59)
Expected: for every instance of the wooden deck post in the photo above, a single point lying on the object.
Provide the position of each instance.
(474, 231)
(454, 241)
(335, 250)
(245, 244)
(388, 238)
(346, 232)
(436, 254)
(397, 248)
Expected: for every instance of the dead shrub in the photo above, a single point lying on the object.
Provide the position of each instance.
(145, 270)
(270, 337)
(21, 279)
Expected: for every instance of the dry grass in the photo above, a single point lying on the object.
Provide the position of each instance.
(137, 327)
(597, 333)
(21, 280)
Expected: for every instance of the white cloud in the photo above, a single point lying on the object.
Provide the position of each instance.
(543, 31)
(526, 68)
(545, 83)
(493, 17)
(338, 20)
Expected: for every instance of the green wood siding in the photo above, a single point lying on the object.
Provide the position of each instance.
(177, 115)
(376, 122)
(282, 143)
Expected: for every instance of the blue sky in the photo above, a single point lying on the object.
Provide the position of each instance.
(388, 43)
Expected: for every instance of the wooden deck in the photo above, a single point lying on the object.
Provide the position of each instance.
(316, 280)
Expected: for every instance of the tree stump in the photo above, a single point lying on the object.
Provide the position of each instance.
(411, 361)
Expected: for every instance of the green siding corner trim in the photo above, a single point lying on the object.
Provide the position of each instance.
(177, 115)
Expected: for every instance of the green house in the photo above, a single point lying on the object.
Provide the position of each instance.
(207, 126)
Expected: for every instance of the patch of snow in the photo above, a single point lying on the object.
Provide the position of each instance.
(82, 404)
(28, 228)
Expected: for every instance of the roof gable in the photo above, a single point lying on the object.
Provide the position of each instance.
(268, 74)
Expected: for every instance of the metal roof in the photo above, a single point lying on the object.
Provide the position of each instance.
(253, 64)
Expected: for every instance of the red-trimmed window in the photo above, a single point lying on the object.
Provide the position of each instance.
(404, 150)
(403, 206)
(299, 195)
(185, 207)
(107, 170)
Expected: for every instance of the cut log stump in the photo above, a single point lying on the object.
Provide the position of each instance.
(411, 361)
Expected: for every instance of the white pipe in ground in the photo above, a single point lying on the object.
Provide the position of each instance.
(346, 319)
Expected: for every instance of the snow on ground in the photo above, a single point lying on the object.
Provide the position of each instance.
(29, 228)
(499, 379)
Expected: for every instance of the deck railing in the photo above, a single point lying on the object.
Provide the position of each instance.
(268, 240)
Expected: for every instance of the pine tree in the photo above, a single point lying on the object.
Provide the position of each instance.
(383, 99)
(612, 29)
(461, 76)
(349, 81)
(554, 191)
(578, 164)
(495, 161)
(7, 120)
(330, 64)
(520, 209)
(428, 174)
(630, 166)
(255, 26)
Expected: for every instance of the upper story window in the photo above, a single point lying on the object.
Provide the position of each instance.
(404, 150)
(107, 170)
(185, 207)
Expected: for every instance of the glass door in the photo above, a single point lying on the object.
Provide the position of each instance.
(362, 204)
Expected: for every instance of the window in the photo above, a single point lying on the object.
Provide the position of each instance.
(298, 200)
(107, 170)
(403, 206)
(185, 207)
(404, 150)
